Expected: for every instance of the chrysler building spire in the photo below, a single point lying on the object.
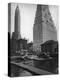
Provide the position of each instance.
(17, 23)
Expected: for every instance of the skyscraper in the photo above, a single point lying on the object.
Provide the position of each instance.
(44, 28)
(16, 33)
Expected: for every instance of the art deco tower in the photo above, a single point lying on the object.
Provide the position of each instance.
(16, 34)
(17, 23)
(44, 28)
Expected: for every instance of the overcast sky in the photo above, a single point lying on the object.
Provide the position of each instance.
(27, 16)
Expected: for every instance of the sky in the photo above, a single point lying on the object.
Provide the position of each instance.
(27, 16)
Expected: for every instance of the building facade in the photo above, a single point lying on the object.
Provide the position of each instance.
(16, 34)
(17, 24)
(44, 28)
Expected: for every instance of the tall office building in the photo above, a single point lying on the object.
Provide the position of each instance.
(44, 28)
(16, 33)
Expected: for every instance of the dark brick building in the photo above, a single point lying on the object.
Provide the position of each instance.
(50, 46)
